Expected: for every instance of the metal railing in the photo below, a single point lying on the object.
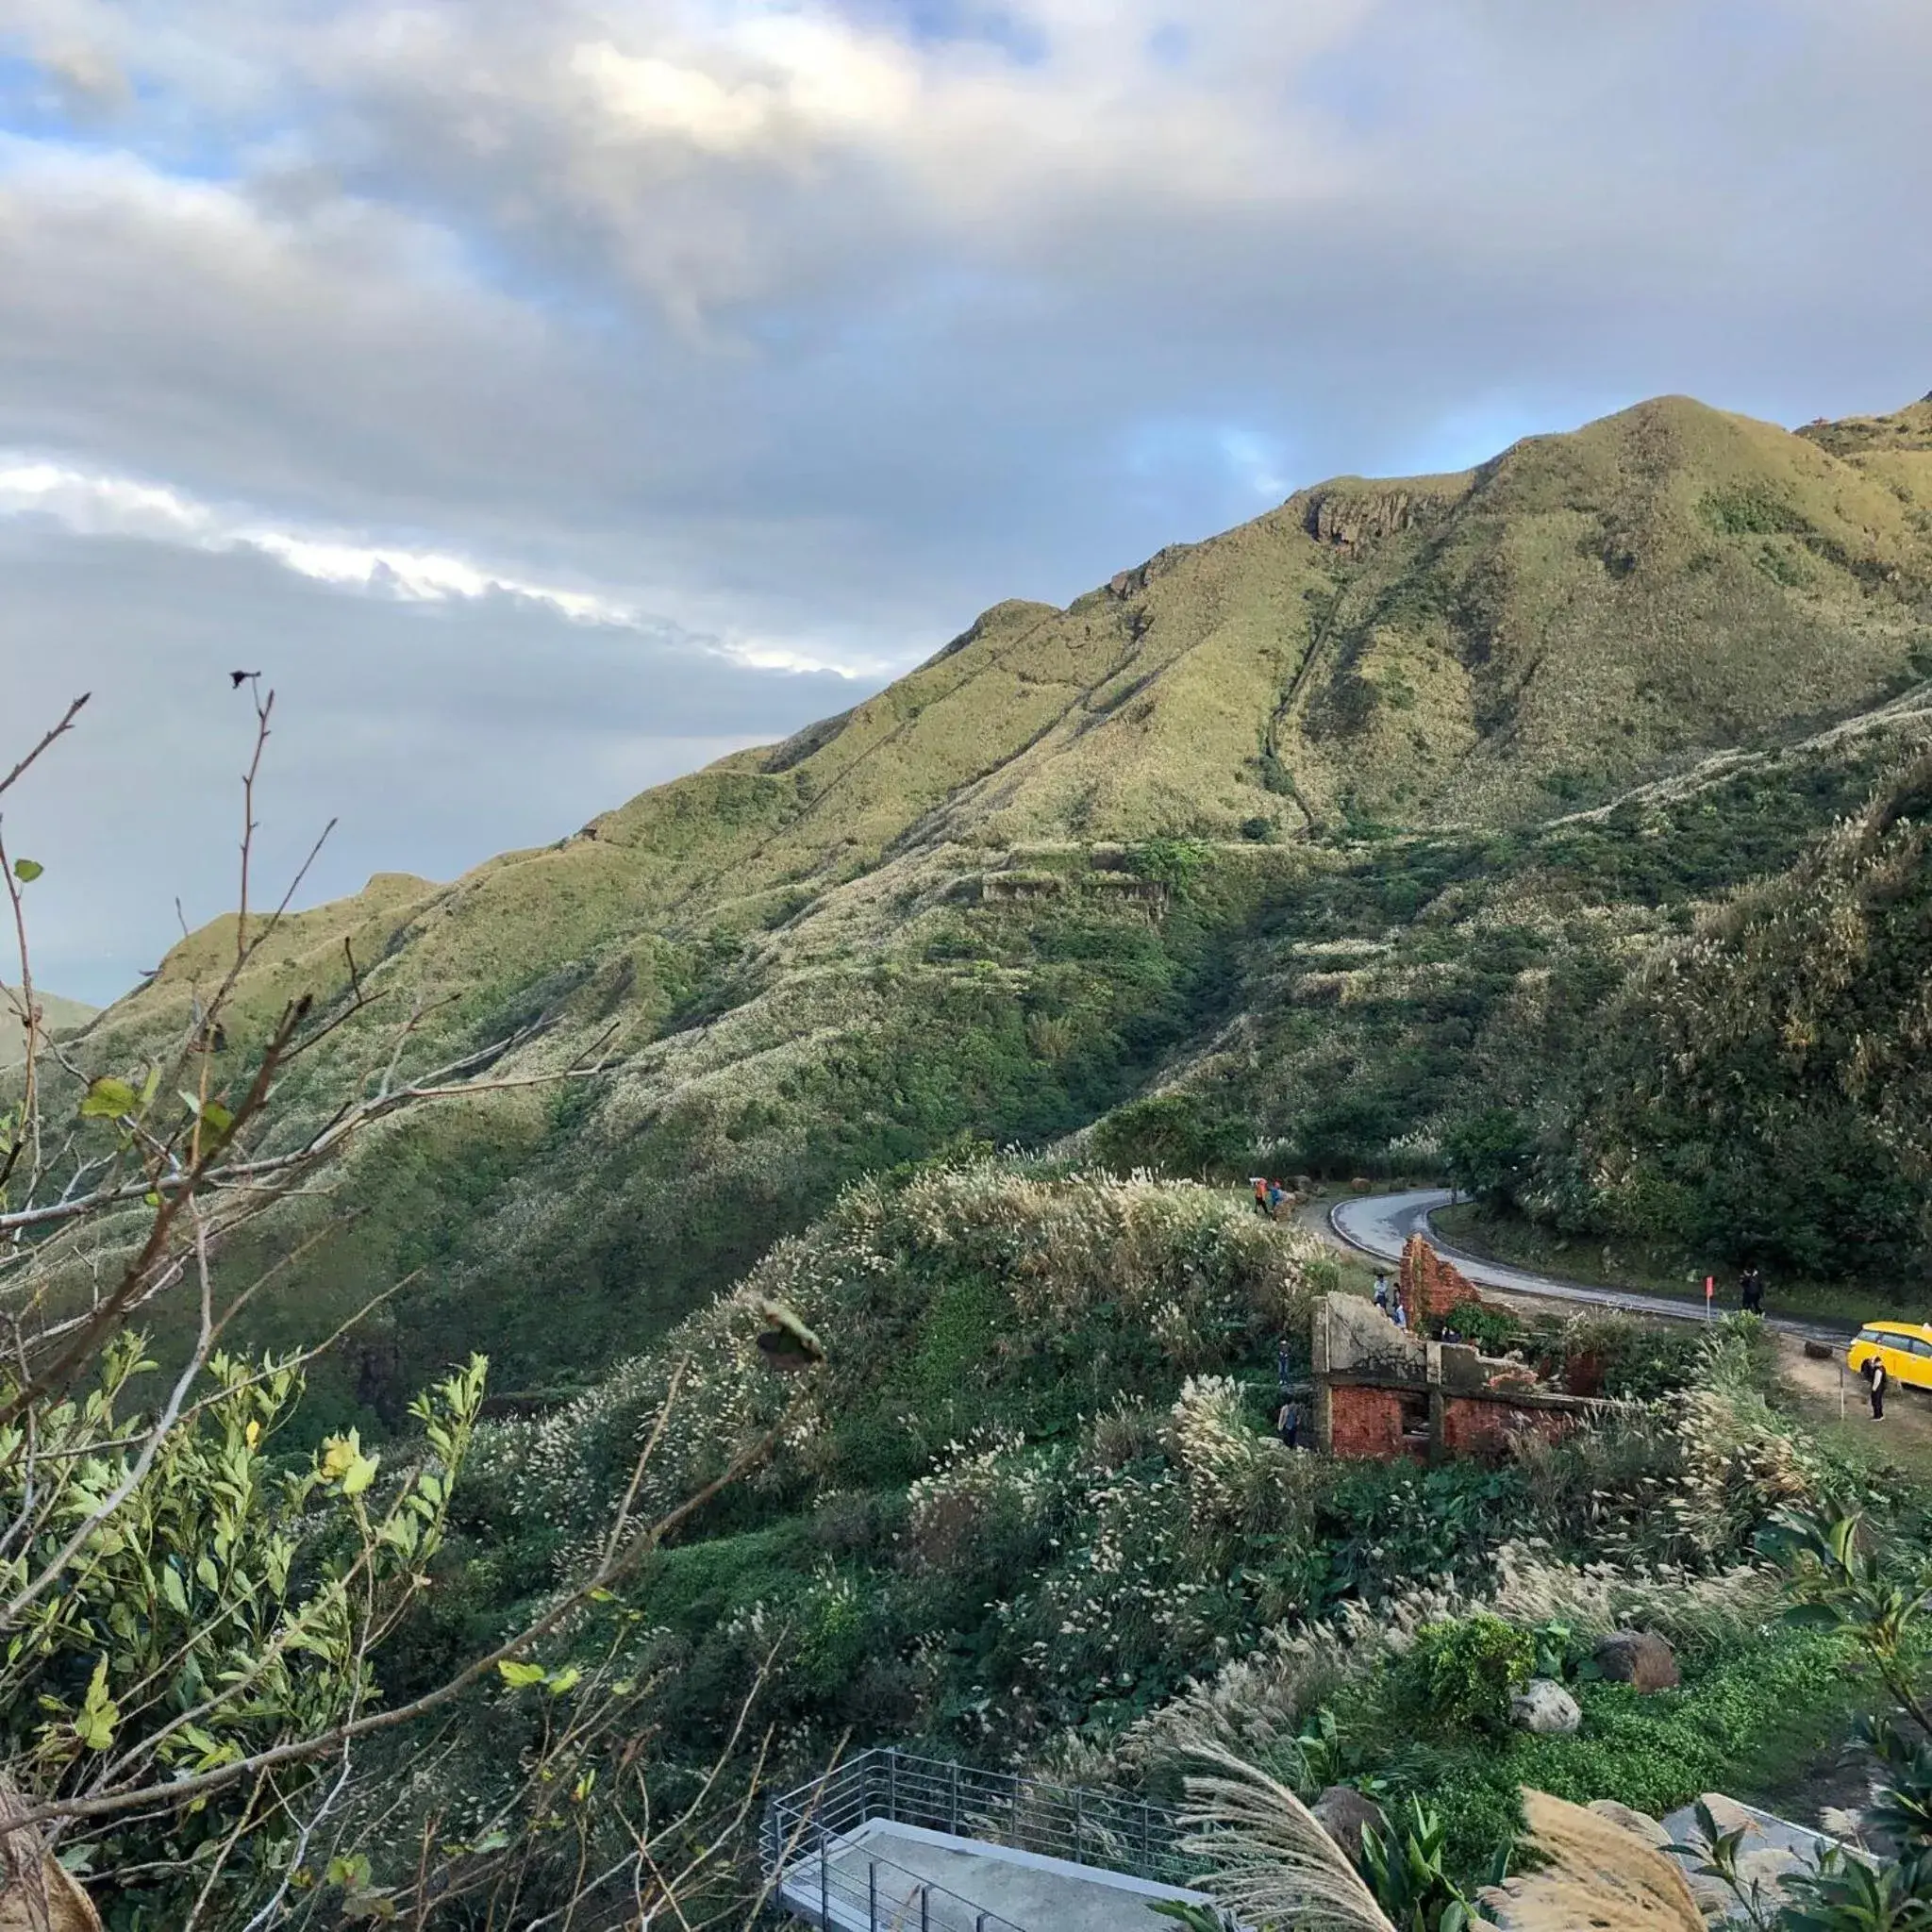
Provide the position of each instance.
(806, 1830)
(840, 1885)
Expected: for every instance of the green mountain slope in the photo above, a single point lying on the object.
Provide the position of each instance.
(1768, 1076)
(58, 1014)
(1273, 825)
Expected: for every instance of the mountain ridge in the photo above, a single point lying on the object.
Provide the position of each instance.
(1064, 866)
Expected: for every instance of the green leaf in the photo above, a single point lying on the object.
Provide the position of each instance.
(99, 1713)
(173, 1588)
(351, 1873)
(557, 1682)
(519, 1676)
(360, 1475)
(27, 870)
(108, 1099)
(1813, 1617)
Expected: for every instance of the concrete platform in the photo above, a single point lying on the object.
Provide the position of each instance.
(1018, 1891)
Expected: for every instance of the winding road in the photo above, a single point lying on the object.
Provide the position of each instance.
(1380, 1226)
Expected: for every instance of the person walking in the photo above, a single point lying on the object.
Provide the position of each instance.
(1276, 1196)
(1282, 1377)
(1288, 1423)
(1382, 1292)
(1401, 1315)
(1877, 1391)
(1259, 1184)
(1751, 1291)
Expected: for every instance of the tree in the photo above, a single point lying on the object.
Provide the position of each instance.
(1173, 1133)
(1490, 1155)
(191, 1618)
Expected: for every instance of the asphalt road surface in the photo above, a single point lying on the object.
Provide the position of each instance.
(1380, 1224)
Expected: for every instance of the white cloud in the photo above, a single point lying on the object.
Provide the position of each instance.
(89, 504)
(806, 79)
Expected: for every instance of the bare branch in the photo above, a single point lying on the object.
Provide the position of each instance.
(60, 730)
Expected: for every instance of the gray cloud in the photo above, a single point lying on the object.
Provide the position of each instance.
(436, 735)
(811, 330)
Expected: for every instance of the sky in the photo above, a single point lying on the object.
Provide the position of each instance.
(547, 399)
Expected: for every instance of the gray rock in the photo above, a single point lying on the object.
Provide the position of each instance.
(1543, 1707)
(1649, 1829)
(1342, 1811)
(1640, 1658)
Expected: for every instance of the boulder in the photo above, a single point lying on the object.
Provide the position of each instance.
(1649, 1829)
(1342, 1811)
(1640, 1658)
(1768, 1854)
(1545, 1708)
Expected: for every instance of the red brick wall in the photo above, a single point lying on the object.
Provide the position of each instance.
(1365, 1422)
(1432, 1290)
(1474, 1428)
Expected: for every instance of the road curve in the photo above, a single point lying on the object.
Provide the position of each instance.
(1380, 1224)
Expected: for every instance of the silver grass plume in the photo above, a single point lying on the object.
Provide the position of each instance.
(1265, 1855)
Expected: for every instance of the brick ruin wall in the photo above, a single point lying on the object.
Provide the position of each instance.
(1366, 1422)
(1433, 1288)
(1487, 1428)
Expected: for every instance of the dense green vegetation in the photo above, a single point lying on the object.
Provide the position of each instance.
(1560, 826)
(1316, 839)
(1032, 1508)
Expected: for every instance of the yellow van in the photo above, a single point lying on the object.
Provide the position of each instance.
(1904, 1347)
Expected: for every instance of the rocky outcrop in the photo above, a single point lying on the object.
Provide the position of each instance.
(1640, 1658)
(1544, 1709)
(1127, 582)
(1349, 520)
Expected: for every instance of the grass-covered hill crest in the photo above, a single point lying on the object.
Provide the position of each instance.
(1260, 833)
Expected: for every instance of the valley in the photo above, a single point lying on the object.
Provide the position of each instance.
(850, 1197)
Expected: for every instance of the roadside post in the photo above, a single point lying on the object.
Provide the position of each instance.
(1709, 1296)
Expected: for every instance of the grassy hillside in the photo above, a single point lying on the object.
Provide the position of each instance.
(1268, 831)
(57, 1015)
(1031, 1510)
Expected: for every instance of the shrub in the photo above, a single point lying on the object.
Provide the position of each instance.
(1461, 1672)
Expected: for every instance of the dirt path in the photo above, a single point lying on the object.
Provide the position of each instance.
(1905, 1430)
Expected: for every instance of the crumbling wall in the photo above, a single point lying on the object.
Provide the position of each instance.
(1474, 1427)
(1433, 1288)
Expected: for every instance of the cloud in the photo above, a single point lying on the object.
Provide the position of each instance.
(436, 732)
(92, 505)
